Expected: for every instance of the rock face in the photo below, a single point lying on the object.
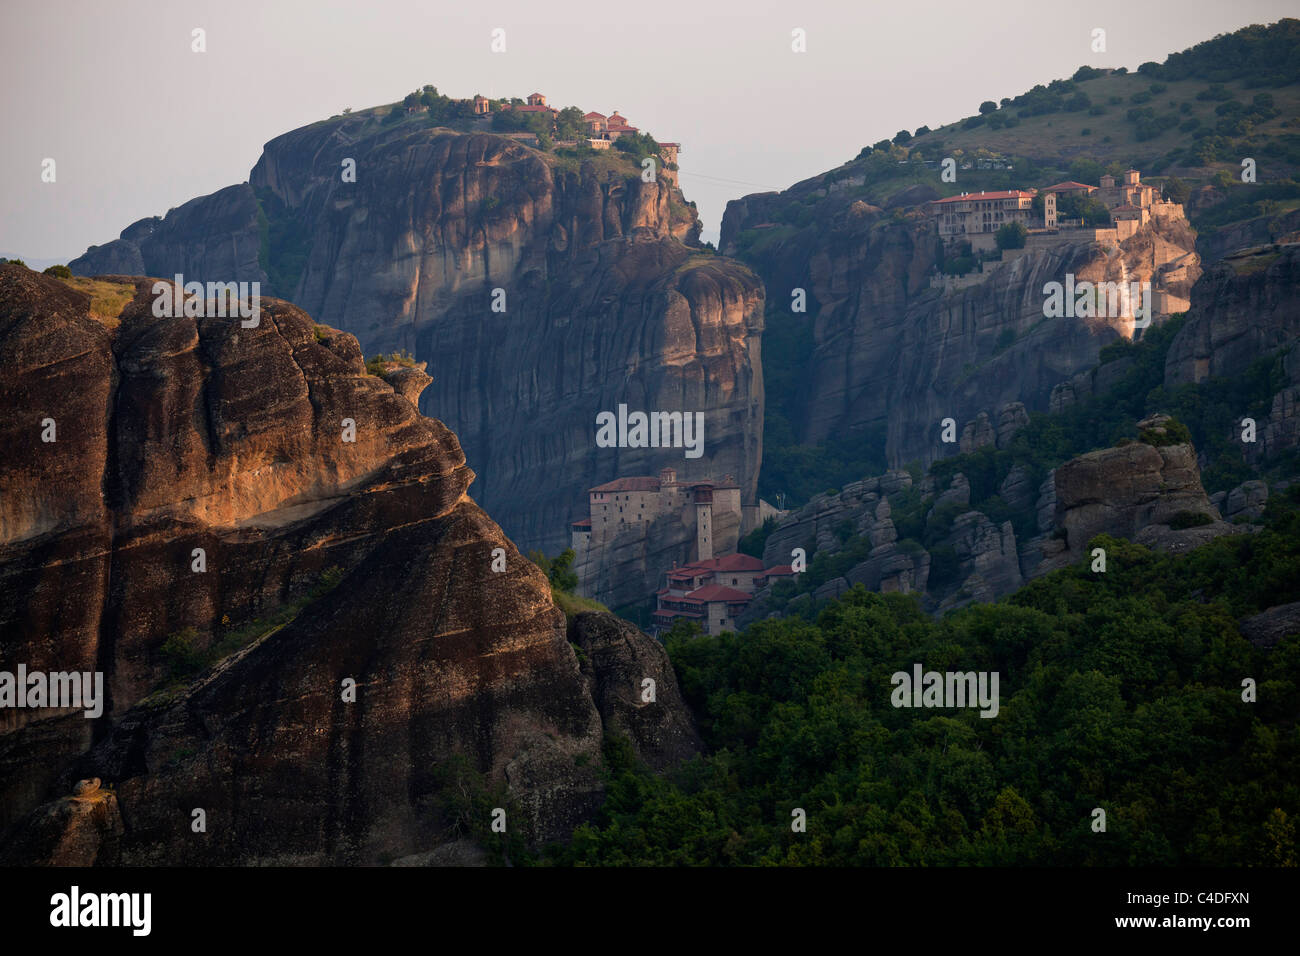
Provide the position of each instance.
(1268, 628)
(616, 662)
(1148, 494)
(84, 829)
(1242, 308)
(1262, 230)
(213, 237)
(605, 297)
(328, 564)
(891, 353)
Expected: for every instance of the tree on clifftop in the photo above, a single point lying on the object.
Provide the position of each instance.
(1012, 236)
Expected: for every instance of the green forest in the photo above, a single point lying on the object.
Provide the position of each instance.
(1120, 691)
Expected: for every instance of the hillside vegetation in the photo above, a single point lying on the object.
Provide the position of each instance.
(1120, 692)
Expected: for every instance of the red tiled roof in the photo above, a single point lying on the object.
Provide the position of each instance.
(584, 522)
(979, 197)
(716, 592)
(673, 145)
(534, 94)
(534, 109)
(1058, 187)
(780, 569)
(731, 562)
(594, 116)
(629, 484)
(737, 562)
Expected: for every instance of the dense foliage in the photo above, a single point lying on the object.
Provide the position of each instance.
(1120, 691)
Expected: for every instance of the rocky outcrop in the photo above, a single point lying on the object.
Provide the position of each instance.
(632, 682)
(1151, 494)
(1259, 231)
(1242, 308)
(1246, 501)
(215, 237)
(273, 560)
(988, 565)
(892, 353)
(538, 290)
(84, 828)
(1148, 491)
(1269, 627)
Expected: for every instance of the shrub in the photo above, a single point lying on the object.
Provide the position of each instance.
(1189, 519)
(59, 272)
(1012, 235)
(181, 654)
(1175, 433)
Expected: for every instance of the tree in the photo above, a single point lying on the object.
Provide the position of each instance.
(902, 136)
(559, 569)
(988, 106)
(569, 124)
(1012, 235)
(1092, 212)
(1176, 191)
(922, 130)
(59, 272)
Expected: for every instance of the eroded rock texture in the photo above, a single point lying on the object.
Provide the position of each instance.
(605, 297)
(893, 355)
(176, 434)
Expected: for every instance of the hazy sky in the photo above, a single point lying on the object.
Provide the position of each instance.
(137, 123)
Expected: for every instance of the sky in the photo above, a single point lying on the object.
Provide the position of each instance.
(137, 122)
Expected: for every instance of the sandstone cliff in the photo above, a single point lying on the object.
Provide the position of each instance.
(1244, 307)
(325, 561)
(892, 353)
(605, 297)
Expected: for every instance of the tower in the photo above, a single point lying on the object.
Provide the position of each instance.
(703, 522)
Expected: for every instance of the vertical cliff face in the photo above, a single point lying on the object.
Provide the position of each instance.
(234, 526)
(1244, 307)
(892, 353)
(539, 290)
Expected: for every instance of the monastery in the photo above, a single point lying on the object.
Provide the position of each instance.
(977, 217)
